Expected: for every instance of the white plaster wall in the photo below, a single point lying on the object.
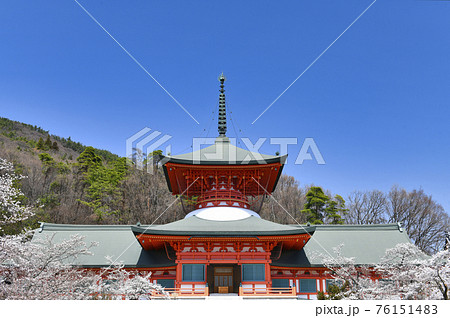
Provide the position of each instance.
(186, 286)
(200, 286)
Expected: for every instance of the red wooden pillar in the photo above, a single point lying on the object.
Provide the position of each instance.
(320, 280)
(179, 275)
(268, 277)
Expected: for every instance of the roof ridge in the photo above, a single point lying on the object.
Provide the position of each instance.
(61, 227)
(390, 226)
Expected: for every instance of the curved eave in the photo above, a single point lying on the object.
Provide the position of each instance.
(166, 175)
(161, 265)
(278, 178)
(139, 230)
(170, 159)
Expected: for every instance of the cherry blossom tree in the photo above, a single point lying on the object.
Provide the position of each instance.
(400, 270)
(11, 209)
(38, 270)
(41, 269)
(411, 274)
(435, 274)
(118, 283)
(354, 281)
(404, 272)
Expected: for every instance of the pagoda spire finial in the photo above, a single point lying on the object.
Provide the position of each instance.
(222, 119)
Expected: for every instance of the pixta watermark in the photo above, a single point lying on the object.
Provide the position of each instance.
(148, 148)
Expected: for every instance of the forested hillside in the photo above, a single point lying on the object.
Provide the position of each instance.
(67, 182)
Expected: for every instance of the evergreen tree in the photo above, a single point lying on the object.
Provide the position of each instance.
(316, 201)
(154, 157)
(48, 163)
(102, 182)
(334, 292)
(48, 143)
(40, 145)
(335, 209)
(88, 159)
(55, 146)
(321, 209)
(46, 159)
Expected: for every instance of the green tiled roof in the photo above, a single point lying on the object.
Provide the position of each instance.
(366, 243)
(222, 152)
(194, 226)
(116, 241)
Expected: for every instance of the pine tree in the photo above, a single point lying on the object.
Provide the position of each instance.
(316, 202)
(321, 209)
(88, 159)
(48, 143)
(40, 145)
(335, 210)
(55, 146)
(335, 291)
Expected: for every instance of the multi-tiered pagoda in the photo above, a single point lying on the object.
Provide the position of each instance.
(223, 246)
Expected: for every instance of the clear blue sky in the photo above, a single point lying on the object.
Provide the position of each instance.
(376, 103)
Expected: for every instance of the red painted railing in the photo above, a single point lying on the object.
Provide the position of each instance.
(168, 293)
(267, 291)
(187, 292)
(171, 293)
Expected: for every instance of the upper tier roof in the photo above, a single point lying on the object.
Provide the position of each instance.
(223, 152)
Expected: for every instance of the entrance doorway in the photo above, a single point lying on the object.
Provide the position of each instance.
(224, 278)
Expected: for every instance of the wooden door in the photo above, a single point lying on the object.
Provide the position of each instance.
(223, 279)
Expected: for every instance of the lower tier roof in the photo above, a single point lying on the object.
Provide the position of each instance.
(115, 241)
(366, 243)
(195, 226)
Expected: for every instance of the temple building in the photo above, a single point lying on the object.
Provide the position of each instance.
(223, 246)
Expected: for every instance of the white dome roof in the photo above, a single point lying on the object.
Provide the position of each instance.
(222, 213)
